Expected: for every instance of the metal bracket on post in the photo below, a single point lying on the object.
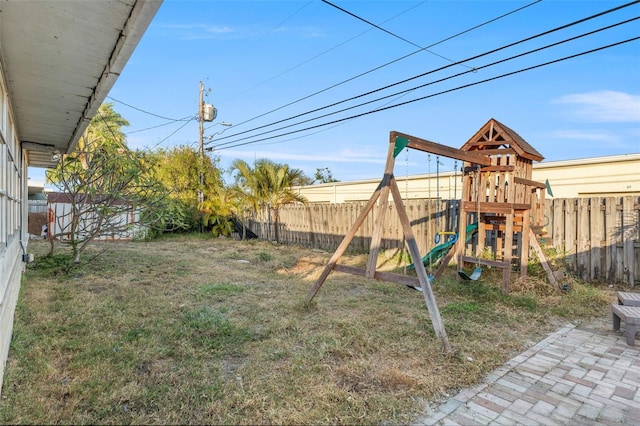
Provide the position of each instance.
(400, 144)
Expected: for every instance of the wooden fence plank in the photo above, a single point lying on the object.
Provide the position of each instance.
(557, 224)
(583, 261)
(570, 225)
(619, 240)
(610, 237)
(630, 231)
(596, 226)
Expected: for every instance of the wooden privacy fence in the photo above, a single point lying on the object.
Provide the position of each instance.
(598, 237)
(324, 225)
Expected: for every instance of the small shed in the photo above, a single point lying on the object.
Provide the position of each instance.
(123, 226)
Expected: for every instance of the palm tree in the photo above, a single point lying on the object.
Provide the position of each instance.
(105, 129)
(269, 185)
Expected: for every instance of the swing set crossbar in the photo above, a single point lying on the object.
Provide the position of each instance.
(438, 149)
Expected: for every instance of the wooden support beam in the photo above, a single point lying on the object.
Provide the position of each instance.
(378, 227)
(498, 168)
(529, 182)
(499, 208)
(387, 184)
(443, 150)
(444, 262)
(501, 227)
(346, 241)
(379, 275)
(524, 246)
(486, 262)
(508, 253)
(416, 258)
(497, 151)
(543, 260)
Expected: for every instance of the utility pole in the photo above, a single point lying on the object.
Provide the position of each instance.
(201, 152)
(206, 112)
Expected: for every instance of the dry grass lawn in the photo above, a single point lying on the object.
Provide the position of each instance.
(194, 330)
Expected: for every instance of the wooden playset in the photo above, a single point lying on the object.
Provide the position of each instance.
(497, 194)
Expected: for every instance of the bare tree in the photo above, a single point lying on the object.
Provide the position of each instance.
(106, 186)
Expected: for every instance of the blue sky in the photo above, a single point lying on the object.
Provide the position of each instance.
(257, 57)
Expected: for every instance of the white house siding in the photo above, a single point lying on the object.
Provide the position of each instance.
(13, 220)
(12, 267)
(50, 89)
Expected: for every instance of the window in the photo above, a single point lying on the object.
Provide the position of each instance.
(3, 194)
(13, 196)
(10, 186)
(2, 105)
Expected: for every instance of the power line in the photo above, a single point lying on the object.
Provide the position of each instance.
(147, 112)
(280, 24)
(330, 87)
(405, 92)
(188, 119)
(383, 65)
(173, 133)
(155, 127)
(313, 58)
(444, 78)
(387, 31)
(314, 133)
(441, 92)
(115, 138)
(424, 74)
(435, 70)
(240, 53)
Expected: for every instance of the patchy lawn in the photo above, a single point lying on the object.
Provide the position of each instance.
(193, 330)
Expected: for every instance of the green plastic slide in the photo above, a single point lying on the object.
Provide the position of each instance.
(440, 250)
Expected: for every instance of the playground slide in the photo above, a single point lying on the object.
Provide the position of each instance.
(432, 257)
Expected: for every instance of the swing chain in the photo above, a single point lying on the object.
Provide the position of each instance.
(406, 178)
(475, 275)
(478, 209)
(438, 190)
(454, 220)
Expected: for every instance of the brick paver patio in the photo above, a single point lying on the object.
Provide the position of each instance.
(577, 375)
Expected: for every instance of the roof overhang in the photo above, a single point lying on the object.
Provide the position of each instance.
(60, 60)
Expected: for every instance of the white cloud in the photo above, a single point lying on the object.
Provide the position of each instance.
(343, 156)
(198, 31)
(303, 32)
(580, 135)
(608, 139)
(605, 106)
(205, 31)
(202, 27)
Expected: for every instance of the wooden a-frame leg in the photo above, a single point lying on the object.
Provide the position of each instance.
(378, 228)
(425, 284)
(345, 241)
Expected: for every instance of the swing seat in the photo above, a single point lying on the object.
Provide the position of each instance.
(475, 275)
(431, 278)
